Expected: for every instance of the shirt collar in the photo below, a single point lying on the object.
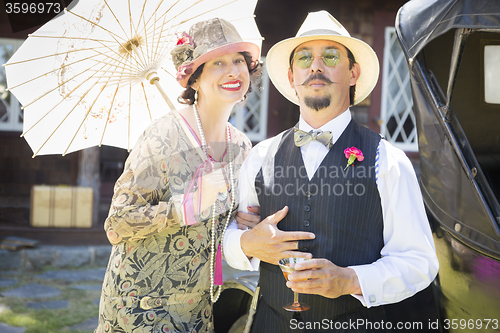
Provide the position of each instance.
(337, 125)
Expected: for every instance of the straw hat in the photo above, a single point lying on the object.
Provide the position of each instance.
(322, 26)
(207, 40)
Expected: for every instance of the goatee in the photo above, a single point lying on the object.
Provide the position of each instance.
(317, 103)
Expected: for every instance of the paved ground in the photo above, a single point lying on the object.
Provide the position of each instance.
(38, 296)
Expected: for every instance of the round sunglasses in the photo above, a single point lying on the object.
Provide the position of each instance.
(305, 58)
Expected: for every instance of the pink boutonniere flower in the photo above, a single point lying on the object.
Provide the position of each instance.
(352, 154)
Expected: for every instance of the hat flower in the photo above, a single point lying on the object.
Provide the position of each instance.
(182, 53)
(352, 154)
(184, 39)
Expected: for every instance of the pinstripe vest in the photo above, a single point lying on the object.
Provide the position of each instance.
(342, 208)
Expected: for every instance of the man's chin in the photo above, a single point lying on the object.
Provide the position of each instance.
(317, 103)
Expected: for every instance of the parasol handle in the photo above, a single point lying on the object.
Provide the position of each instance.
(154, 79)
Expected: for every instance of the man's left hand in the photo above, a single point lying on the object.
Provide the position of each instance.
(322, 277)
(248, 220)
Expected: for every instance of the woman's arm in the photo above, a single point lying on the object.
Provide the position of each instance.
(143, 204)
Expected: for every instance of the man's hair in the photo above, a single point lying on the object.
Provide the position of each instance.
(352, 61)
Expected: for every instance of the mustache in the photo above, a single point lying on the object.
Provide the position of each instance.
(313, 77)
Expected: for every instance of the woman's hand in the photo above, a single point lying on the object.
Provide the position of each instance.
(248, 220)
(213, 182)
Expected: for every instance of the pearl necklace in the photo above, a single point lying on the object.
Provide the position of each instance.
(214, 297)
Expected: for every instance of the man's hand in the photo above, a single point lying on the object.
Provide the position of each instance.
(322, 277)
(248, 220)
(266, 242)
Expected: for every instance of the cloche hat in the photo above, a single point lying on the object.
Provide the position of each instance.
(207, 40)
(322, 26)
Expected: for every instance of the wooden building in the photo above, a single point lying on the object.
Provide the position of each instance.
(387, 110)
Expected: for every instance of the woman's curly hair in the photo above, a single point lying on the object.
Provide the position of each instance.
(254, 69)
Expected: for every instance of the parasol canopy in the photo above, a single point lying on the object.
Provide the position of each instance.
(100, 72)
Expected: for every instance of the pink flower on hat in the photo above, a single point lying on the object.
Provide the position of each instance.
(352, 154)
(184, 69)
(184, 39)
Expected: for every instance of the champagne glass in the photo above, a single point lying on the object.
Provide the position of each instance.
(287, 266)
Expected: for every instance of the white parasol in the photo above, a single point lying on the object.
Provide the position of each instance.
(86, 77)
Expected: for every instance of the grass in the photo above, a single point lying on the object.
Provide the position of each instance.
(80, 307)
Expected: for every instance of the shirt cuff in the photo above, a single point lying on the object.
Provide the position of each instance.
(371, 288)
(234, 254)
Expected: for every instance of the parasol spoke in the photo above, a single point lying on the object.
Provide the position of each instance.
(172, 75)
(57, 87)
(200, 14)
(208, 11)
(88, 111)
(105, 62)
(118, 21)
(130, 18)
(127, 61)
(129, 114)
(164, 47)
(55, 106)
(145, 35)
(50, 55)
(85, 118)
(54, 70)
(119, 49)
(146, 98)
(109, 114)
(155, 52)
(164, 15)
(156, 11)
(98, 25)
(67, 115)
(112, 35)
(77, 38)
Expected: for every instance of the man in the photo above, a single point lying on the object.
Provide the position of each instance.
(363, 223)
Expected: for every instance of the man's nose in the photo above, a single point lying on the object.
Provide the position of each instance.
(317, 65)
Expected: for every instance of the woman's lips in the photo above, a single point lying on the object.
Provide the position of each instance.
(231, 86)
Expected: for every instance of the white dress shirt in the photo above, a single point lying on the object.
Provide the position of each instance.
(408, 260)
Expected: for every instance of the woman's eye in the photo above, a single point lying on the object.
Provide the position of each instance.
(218, 63)
(239, 61)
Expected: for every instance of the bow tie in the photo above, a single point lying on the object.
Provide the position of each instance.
(301, 138)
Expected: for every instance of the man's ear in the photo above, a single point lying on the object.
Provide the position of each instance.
(355, 73)
(290, 78)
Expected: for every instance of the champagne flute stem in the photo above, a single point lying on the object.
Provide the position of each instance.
(295, 298)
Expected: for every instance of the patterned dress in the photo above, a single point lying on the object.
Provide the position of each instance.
(158, 261)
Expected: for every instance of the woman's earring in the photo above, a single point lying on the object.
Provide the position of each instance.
(195, 96)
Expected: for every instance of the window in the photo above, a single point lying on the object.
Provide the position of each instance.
(491, 73)
(11, 115)
(398, 120)
(251, 118)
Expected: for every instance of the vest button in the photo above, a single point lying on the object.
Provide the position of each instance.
(306, 223)
(307, 194)
(307, 208)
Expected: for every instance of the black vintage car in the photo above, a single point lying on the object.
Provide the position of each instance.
(453, 52)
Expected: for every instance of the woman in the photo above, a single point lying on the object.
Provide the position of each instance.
(178, 193)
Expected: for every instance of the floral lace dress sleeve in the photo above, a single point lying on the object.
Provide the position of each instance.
(143, 203)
